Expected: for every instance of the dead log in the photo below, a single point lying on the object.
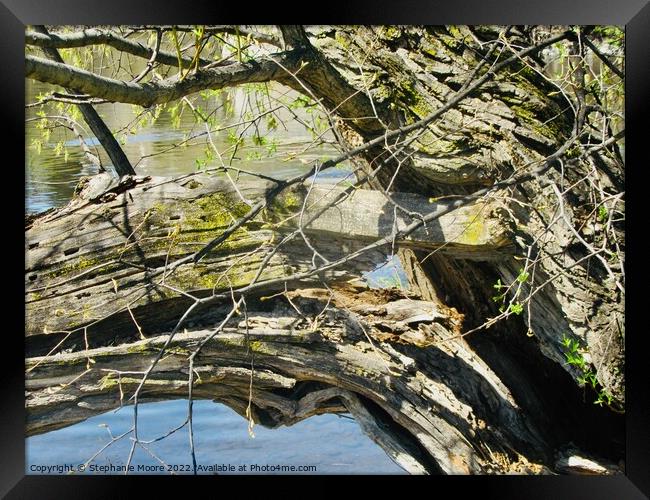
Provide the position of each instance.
(432, 404)
(515, 118)
(479, 231)
(103, 255)
(494, 402)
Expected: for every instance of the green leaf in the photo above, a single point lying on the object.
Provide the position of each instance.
(517, 308)
(523, 276)
(602, 213)
(592, 380)
(259, 140)
(576, 360)
(37, 145)
(273, 147)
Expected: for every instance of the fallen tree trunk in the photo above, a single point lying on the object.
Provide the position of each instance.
(447, 111)
(552, 247)
(389, 360)
(97, 259)
(565, 229)
(98, 313)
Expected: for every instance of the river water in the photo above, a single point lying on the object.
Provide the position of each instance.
(173, 143)
(333, 444)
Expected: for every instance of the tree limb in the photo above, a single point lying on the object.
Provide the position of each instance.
(603, 58)
(120, 161)
(170, 89)
(215, 29)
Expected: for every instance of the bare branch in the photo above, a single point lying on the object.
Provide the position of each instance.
(603, 58)
(214, 29)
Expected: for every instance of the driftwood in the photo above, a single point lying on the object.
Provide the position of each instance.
(498, 400)
(91, 258)
(375, 354)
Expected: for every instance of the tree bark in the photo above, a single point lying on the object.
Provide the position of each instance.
(515, 118)
(104, 136)
(395, 360)
(167, 90)
(387, 375)
(106, 250)
(46, 41)
(500, 399)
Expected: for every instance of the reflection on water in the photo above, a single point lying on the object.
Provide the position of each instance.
(334, 445)
(173, 144)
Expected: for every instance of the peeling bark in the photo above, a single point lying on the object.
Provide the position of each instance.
(395, 361)
(94, 258)
(514, 119)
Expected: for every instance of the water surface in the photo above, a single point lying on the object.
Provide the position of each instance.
(329, 443)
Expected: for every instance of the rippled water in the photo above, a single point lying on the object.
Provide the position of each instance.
(160, 148)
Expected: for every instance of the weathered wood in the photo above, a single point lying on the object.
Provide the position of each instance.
(105, 251)
(474, 232)
(458, 409)
(516, 118)
(499, 401)
(426, 404)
